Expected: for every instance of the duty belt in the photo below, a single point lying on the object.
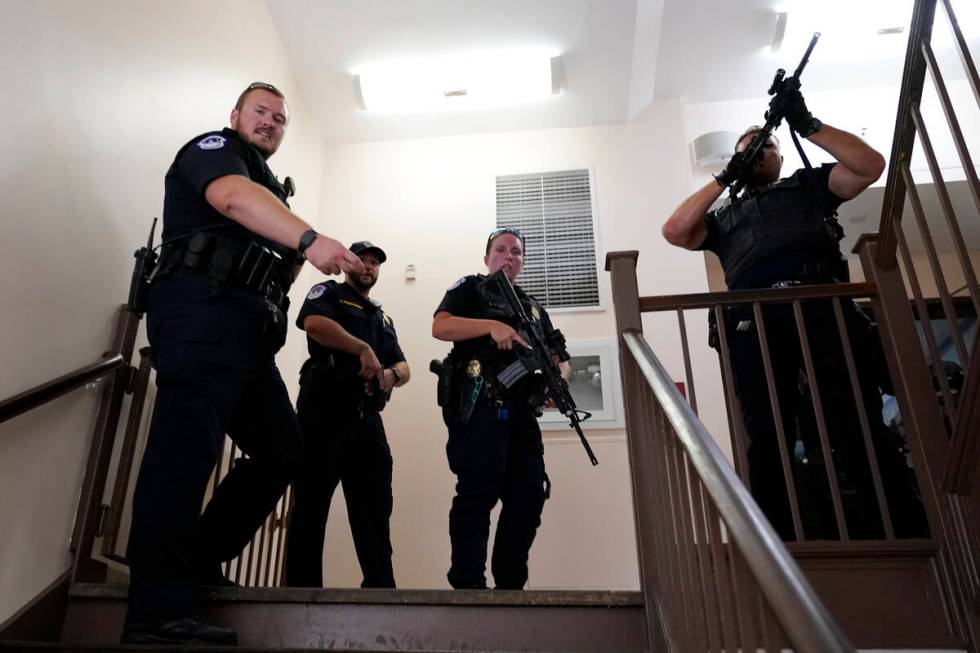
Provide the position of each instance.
(226, 261)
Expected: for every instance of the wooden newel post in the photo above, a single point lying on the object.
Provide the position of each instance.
(639, 439)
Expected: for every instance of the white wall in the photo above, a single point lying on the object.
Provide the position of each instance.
(431, 203)
(97, 97)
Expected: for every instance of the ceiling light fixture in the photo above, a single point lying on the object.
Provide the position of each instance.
(848, 28)
(776, 41)
(459, 81)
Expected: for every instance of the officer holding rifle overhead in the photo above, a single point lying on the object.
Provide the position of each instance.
(783, 232)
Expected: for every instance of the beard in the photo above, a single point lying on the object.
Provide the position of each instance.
(265, 148)
(760, 178)
(359, 284)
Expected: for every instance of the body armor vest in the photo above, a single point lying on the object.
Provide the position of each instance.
(782, 218)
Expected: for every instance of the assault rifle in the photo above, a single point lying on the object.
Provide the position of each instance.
(537, 360)
(753, 153)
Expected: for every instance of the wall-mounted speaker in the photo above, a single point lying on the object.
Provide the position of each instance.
(714, 148)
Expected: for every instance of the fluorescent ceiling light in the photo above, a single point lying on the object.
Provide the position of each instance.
(458, 81)
(849, 29)
(863, 29)
(778, 33)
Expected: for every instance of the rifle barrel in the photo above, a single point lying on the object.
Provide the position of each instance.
(806, 55)
(581, 436)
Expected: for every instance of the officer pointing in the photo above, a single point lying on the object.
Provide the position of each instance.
(215, 319)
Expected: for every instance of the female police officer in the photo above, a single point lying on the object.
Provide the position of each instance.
(494, 445)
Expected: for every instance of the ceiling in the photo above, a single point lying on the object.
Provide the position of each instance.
(327, 40)
(697, 50)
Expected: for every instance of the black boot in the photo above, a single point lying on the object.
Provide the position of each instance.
(178, 630)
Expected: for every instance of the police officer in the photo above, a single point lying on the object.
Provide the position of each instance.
(354, 363)
(785, 233)
(494, 445)
(215, 319)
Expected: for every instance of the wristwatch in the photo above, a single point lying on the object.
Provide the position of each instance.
(398, 377)
(304, 243)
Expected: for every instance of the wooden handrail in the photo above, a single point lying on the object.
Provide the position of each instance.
(806, 621)
(913, 78)
(766, 295)
(45, 392)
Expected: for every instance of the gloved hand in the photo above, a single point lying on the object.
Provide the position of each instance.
(738, 168)
(789, 104)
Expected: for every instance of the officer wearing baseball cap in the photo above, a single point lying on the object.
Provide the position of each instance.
(362, 246)
(354, 363)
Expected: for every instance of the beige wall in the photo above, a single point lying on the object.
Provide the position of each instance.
(104, 93)
(430, 203)
(98, 96)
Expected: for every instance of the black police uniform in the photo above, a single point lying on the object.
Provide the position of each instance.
(787, 234)
(344, 441)
(215, 319)
(494, 449)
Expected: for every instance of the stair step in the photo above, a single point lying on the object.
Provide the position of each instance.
(387, 620)
(60, 647)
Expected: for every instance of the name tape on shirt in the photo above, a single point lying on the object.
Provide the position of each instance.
(213, 142)
(456, 285)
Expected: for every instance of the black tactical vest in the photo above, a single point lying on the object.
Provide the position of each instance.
(782, 218)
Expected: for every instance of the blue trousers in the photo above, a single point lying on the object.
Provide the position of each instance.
(344, 443)
(496, 456)
(213, 351)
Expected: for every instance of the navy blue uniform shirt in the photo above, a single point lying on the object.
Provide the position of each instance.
(765, 237)
(359, 316)
(463, 299)
(199, 162)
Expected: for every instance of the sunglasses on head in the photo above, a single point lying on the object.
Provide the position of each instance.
(505, 230)
(263, 86)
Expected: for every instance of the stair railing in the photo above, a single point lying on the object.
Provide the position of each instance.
(261, 562)
(947, 426)
(714, 574)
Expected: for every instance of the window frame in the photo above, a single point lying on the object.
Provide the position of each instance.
(603, 298)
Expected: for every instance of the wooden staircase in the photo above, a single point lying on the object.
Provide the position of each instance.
(283, 619)
(714, 576)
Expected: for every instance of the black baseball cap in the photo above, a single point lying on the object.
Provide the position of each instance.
(362, 246)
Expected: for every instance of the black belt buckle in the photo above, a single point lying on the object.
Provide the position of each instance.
(788, 283)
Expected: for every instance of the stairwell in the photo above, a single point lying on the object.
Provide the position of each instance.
(714, 576)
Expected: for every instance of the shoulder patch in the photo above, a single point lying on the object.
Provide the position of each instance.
(456, 285)
(316, 291)
(212, 142)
